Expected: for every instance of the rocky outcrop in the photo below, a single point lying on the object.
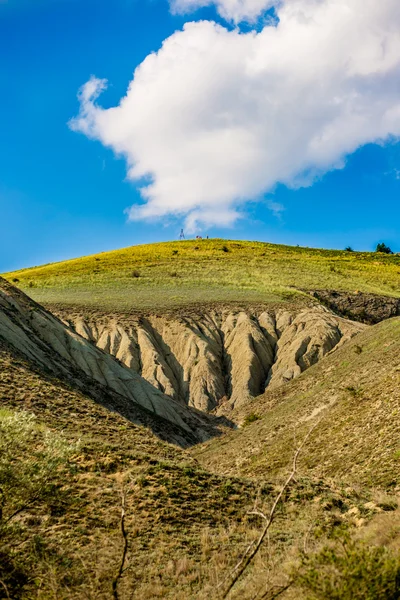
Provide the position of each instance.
(52, 347)
(305, 339)
(219, 357)
(359, 306)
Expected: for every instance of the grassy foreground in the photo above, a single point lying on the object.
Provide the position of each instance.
(199, 271)
(186, 528)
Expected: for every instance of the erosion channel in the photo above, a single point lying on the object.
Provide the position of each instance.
(219, 358)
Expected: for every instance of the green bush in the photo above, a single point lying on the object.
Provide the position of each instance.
(383, 248)
(351, 571)
(251, 418)
(33, 461)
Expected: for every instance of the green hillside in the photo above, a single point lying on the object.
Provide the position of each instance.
(199, 271)
(353, 396)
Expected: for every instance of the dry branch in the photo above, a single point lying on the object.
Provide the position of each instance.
(121, 567)
(5, 589)
(245, 561)
(275, 592)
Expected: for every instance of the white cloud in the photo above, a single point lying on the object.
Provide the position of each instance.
(231, 10)
(217, 117)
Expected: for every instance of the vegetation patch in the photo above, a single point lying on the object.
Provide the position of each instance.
(218, 271)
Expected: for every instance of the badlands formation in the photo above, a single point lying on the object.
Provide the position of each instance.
(219, 359)
(51, 347)
(173, 367)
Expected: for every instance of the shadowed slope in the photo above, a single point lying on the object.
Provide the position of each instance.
(70, 546)
(52, 347)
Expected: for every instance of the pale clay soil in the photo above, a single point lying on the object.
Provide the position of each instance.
(212, 363)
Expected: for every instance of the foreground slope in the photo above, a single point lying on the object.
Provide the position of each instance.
(157, 276)
(353, 398)
(185, 528)
(70, 545)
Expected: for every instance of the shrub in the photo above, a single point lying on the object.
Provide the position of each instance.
(135, 274)
(225, 249)
(251, 418)
(32, 460)
(383, 249)
(29, 459)
(352, 390)
(15, 280)
(351, 571)
(348, 249)
(175, 252)
(388, 505)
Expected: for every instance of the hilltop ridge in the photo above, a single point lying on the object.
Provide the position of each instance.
(173, 274)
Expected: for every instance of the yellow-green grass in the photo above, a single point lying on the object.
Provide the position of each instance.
(180, 273)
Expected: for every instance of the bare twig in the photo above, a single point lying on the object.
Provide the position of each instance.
(275, 592)
(124, 551)
(242, 565)
(258, 513)
(249, 547)
(306, 538)
(5, 589)
(22, 508)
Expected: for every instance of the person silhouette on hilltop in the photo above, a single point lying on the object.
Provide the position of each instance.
(182, 236)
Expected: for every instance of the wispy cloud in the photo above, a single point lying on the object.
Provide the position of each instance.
(231, 10)
(277, 208)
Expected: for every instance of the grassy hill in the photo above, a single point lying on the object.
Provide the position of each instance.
(187, 513)
(186, 527)
(202, 271)
(354, 395)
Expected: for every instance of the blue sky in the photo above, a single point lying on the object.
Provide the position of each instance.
(63, 195)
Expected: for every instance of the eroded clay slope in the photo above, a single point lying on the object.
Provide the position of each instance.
(53, 347)
(218, 358)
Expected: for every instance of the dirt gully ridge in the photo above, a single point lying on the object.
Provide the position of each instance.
(52, 348)
(218, 359)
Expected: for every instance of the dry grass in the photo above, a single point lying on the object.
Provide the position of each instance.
(186, 527)
(179, 273)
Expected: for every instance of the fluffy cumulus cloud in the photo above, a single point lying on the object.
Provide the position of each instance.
(216, 118)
